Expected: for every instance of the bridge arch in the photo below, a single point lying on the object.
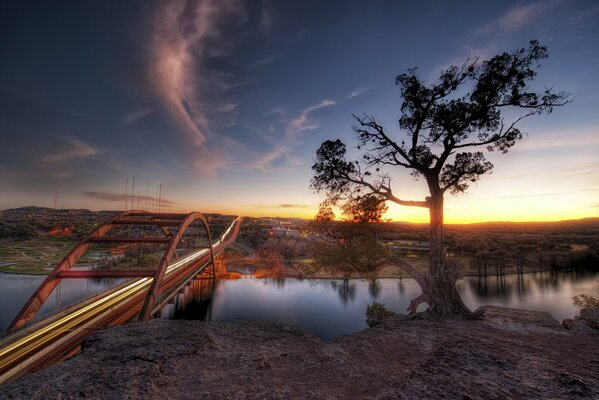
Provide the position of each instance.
(99, 235)
(156, 286)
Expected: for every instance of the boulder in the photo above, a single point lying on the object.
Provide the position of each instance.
(591, 316)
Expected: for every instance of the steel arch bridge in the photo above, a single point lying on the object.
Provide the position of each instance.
(100, 235)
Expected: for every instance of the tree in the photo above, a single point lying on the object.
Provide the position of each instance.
(350, 246)
(444, 122)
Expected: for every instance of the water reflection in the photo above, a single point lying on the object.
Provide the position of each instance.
(194, 302)
(374, 288)
(345, 289)
(329, 308)
(324, 307)
(401, 287)
(16, 289)
(542, 291)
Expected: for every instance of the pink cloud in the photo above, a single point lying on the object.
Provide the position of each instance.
(75, 149)
(187, 34)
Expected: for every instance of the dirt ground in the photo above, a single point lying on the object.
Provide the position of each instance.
(508, 354)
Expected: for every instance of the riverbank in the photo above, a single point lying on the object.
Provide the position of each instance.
(299, 268)
(507, 354)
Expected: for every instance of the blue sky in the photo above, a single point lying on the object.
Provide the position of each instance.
(225, 102)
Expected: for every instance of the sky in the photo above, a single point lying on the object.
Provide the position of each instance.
(224, 103)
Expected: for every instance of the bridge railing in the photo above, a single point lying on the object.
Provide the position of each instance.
(64, 307)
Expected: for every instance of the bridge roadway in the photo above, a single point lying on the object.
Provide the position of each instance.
(43, 342)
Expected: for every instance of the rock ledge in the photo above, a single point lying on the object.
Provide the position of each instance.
(506, 354)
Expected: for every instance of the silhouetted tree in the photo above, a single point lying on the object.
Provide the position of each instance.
(443, 122)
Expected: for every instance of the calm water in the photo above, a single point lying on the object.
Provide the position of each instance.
(16, 289)
(329, 308)
(326, 308)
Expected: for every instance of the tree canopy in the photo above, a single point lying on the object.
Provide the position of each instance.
(443, 123)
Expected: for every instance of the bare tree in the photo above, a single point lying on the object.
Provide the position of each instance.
(443, 123)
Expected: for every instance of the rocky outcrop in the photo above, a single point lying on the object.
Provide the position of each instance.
(503, 354)
(586, 321)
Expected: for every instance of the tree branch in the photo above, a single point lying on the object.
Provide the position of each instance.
(386, 193)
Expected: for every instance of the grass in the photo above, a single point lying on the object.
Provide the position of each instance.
(37, 256)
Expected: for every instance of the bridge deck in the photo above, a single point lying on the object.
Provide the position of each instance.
(41, 343)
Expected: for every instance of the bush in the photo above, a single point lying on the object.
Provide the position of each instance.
(376, 314)
(585, 300)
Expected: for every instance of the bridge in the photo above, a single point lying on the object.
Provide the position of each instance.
(32, 344)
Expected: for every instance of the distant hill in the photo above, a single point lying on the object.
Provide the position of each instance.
(570, 223)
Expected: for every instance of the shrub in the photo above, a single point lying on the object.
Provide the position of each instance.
(376, 314)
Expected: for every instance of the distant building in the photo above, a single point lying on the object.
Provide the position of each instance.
(278, 232)
(407, 247)
(282, 232)
(292, 233)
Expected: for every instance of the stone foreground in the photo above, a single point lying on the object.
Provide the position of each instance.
(506, 354)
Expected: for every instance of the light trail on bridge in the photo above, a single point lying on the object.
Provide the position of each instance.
(28, 351)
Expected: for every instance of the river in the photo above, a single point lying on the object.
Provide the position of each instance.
(323, 307)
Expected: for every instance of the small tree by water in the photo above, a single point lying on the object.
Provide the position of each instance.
(376, 313)
(350, 246)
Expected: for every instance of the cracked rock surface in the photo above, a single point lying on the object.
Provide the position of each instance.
(506, 354)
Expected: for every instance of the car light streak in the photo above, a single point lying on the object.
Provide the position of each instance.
(23, 351)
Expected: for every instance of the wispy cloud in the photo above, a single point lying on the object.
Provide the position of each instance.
(303, 122)
(357, 92)
(582, 138)
(499, 33)
(135, 115)
(556, 194)
(263, 61)
(209, 161)
(288, 205)
(281, 205)
(115, 197)
(75, 149)
(187, 36)
(263, 162)
(555, 173)
(518, 17)
(292, 127)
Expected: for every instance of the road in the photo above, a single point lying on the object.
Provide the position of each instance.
(37, 345)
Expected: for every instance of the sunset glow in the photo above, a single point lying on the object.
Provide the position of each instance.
(224, 103)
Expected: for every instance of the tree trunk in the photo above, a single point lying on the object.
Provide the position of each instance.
(443, 297)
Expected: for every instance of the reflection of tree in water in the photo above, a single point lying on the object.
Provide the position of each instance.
(548, 280)
(522, 286)
(501, 287)
(481, 288)
(401, 287)
(374, 288)
(345, 290)
(489, 286)
(280, 282)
